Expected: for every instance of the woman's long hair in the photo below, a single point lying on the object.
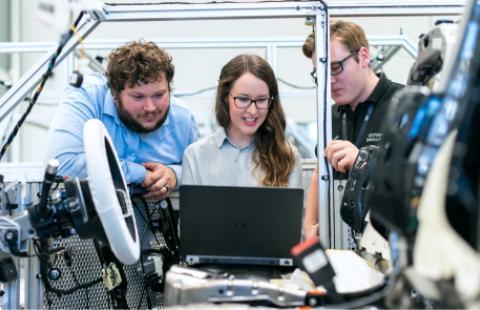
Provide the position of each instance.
(273, 154)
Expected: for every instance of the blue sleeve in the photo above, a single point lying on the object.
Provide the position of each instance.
(134, 173)
(66, 134)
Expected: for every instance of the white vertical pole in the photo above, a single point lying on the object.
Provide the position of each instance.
(324, 129)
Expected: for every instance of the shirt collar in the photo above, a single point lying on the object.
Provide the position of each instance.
(110, 107)
(375, 97)
(379, 90)
(220, 138)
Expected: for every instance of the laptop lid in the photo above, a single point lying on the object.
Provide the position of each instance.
(241, 225)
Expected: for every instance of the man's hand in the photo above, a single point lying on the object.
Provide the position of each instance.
(160, 181)
(341, 154)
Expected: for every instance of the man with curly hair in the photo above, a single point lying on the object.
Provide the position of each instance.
(149, 129)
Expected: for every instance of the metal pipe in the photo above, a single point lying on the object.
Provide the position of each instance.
(29, 80)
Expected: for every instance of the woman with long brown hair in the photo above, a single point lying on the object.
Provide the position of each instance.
(251, 148)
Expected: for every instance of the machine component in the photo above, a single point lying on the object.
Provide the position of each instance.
(374, 248)
(159, 218)
(188, 286)
(353, 208)
(79, 206)
(459, 260)
(434, 48)
(111, 277)
(412, 135)
(450, 205)
(154, 271)
(110, 193)
(392, 188)
(8, 271)
(311, 256)
(14, 232)
(431, 195)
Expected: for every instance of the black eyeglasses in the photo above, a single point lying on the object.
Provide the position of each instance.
(313, 74)
(243, 102)
(337, 66)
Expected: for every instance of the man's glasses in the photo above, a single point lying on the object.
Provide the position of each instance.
(243, 102)
(337, 66)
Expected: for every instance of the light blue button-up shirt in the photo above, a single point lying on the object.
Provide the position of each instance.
(214, 160)
(93, 100)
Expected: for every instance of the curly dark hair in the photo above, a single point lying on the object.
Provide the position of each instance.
(273, 154)
(138, 62)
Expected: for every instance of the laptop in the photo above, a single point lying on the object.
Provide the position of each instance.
(239, 225)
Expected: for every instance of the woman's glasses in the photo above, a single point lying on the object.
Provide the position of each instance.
(243, 102)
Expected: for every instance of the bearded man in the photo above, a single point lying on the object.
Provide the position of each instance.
(149, 129)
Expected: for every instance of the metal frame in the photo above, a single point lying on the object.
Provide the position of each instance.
(287, 9)
(368, 8)
(168, 12)
(30, 79)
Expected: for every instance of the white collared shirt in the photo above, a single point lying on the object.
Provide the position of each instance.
(214, 160)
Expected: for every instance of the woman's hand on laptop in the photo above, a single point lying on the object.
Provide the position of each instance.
(160, 181)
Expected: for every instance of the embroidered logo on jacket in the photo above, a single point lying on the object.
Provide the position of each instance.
(374, 137)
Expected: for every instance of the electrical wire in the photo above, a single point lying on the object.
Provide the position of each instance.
(41, 249)
(75, 279)
(63, 41)
(361, 302)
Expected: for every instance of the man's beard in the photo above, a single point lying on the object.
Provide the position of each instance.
(131, 123)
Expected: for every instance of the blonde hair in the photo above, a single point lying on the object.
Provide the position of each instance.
(350, 34)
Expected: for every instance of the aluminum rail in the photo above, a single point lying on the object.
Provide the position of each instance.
(30, 79)
(280, 9)
(211, 11)
(369, 8)
(326, 207)
(252, 10)
(158, 11)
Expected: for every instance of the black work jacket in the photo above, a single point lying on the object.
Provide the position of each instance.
(347, 124)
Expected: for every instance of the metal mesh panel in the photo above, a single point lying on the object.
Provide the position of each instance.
(85, 267)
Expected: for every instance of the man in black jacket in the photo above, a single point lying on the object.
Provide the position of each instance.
(361, 101)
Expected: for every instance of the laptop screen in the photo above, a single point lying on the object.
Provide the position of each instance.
(251, 225)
